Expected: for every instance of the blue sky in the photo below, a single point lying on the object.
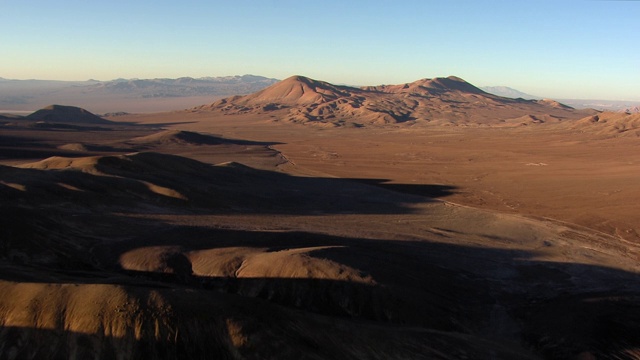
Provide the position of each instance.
(561, 49)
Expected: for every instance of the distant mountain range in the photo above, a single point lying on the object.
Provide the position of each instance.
(447, 101)
(509, 92)
(131, 95)
(623, 106)
(165, 94)
(604, 105)
(183, 87)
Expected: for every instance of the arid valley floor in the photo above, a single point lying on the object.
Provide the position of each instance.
(428, 220)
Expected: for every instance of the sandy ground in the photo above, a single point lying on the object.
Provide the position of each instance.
(545, 171)
(198, 234)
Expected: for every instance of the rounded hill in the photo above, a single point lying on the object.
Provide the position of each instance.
(67, 114)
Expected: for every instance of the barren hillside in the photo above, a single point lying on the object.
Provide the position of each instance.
(439, 101)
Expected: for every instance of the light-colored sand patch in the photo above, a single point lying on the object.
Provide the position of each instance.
(19, 187)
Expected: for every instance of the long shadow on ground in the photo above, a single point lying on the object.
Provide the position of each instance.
(62, 227)
(559, 309)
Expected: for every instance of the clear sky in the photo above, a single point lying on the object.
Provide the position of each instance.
(561, 49)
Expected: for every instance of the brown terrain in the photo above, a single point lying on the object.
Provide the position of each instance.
(428, 220)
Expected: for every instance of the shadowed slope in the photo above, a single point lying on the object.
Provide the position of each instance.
(167, 256)
(159, 256)
(127, 322)
(436, 296)
(66, 114)
(151, 178)
(179, 137)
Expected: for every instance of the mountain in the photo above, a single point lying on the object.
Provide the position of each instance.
(604, 105)
(298, 90)
(445, 101)
(631, 110)
(506, 91)
(436, 86)
(183, 87)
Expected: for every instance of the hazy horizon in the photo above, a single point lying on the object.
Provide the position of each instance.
(491, 88)
(571, 49)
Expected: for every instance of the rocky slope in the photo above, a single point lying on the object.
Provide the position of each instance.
(442, 101)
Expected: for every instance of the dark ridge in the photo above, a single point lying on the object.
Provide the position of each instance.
(66, 114)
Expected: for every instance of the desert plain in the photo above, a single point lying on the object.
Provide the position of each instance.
(428, 220)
